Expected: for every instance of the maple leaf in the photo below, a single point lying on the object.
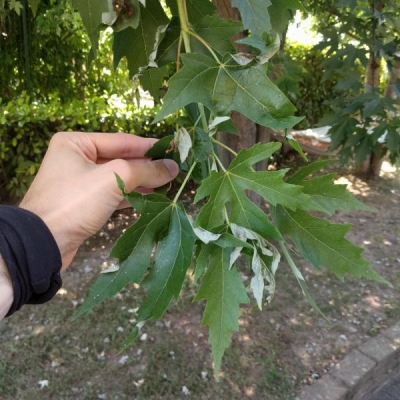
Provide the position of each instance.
(133, 249)
(137, 45)
(225, 87)
(330, 196)
(217, 32)
(228, 189)
(223, 289)
(253, 15)
(91, 12)
(261, 16)
(173, 258)
(196, 9)
(324, 244)
(152, 80)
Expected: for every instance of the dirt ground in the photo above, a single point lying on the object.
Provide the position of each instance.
(276, 353)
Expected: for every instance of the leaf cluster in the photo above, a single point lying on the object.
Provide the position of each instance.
(211, 79)
(357, 37)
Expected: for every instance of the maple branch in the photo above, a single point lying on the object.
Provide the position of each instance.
(224, 146)
(205, 44)
(183, 19)
(187, 177)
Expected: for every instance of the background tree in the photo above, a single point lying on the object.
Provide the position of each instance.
(360, 37)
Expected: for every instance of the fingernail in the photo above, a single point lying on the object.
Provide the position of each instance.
(172, 166)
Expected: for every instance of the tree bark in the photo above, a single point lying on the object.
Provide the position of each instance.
(371, 166)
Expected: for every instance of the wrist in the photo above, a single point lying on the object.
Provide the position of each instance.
(53, 223)
(6, 289)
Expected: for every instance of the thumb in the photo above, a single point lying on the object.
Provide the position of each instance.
(150, 174)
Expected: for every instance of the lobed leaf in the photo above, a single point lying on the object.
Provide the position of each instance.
(254, 15)
(173, 258)
(324, 244)
(133, 249)
(322, 189)
(225, 87)
(137, 45)
(227, 190)
(91, 12)
(224, 291)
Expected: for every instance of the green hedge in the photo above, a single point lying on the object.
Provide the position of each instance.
(299, 73)
(26, 128)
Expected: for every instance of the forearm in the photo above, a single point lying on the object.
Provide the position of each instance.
(6, 290)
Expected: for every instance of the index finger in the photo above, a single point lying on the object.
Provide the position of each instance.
(120, 145)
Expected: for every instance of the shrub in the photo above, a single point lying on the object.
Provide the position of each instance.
(26, 128)
(300, 75)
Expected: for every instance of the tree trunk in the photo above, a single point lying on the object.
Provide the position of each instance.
(371, 166)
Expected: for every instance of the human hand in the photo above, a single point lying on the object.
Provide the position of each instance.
(75, 190)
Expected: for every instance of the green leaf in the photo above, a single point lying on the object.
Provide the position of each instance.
(173, 258)
(167, 51)
(91, 12)
(133, 249)
(295, 145)
(341, 130)
(226, 87)
(217, 33)
(34, 5)
(307, 170)
(16, 6)
(197, 9)
(324, 244)
(202, 146)
(227, 190)
(254, 15)
(300, 279)
(137, 45)
(281, 11)
(224, 291)
(152, 80)
(332, 197)
(161, 149)
(373, 107)
(322, 189)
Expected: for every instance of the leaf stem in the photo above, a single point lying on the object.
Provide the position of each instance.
(290, 261)
(187, 177)
(220, 163)
(183, 19)
(205, 44)
(224, 146)
(203, 117)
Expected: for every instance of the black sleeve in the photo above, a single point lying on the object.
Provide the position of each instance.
(31, 255)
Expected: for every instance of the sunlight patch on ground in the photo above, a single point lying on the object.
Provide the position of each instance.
(357, 186)
(388, 169)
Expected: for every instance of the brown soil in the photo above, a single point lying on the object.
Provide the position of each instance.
(286, 346)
